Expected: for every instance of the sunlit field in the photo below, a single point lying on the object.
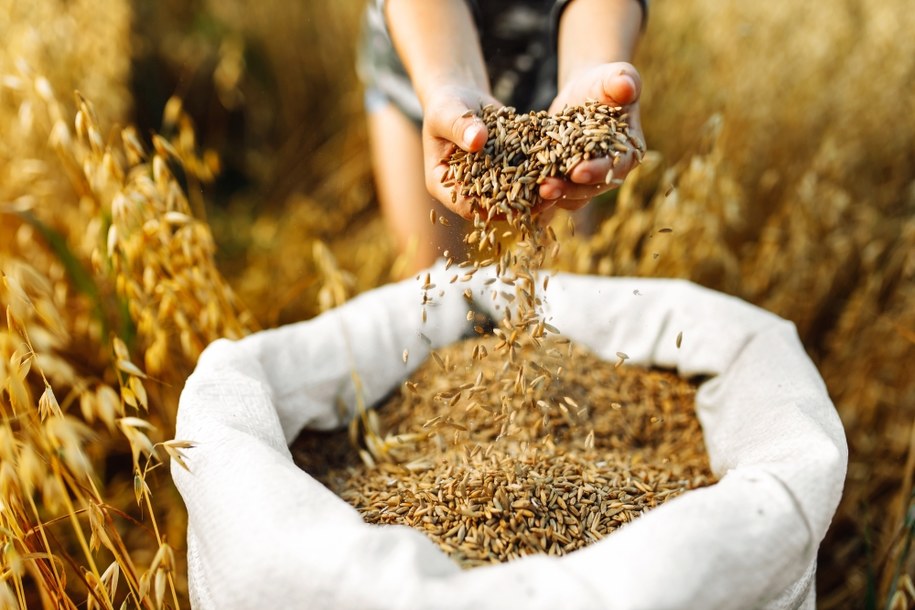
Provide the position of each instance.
(175, 172)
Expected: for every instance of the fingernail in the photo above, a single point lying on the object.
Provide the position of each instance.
(470, 133)
(584, 177)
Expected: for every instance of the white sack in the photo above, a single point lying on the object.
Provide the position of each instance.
(264, 534)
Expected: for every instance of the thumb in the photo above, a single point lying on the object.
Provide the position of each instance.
(473, 135)
(621, 84)
(454, 121)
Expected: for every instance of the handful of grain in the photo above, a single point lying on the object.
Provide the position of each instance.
(592, 449)
(524, 149)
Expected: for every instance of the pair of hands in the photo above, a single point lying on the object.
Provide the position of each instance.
(445, 127)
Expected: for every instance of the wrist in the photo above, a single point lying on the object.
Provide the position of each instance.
(452, 84)
(596, 32)
(438, 44)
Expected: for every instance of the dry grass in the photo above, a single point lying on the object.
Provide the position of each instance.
(109, 292)
(781, 156)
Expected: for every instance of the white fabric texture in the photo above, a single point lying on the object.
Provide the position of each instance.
(264, 534)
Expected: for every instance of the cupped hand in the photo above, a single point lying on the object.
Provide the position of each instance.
(614, 84)
(451, 119)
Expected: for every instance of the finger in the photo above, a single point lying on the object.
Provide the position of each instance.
(550, 190)
(454, 121)
(572, 205)
(604, 170)
(570, 191)
(591, 171)
(614, 84)
(620, 84)
(473, 133)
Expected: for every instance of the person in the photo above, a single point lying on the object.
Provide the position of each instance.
(428, 66)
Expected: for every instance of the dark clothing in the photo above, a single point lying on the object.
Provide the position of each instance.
(518, 40)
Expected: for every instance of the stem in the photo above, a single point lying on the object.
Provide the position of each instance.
(77, 528)
(20, 592)
(904, 552)
(44, 540)
(121, 555)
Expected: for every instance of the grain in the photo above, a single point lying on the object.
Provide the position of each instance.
(501, 181)
(581, 454)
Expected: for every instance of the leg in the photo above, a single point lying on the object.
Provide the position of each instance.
(397, 160)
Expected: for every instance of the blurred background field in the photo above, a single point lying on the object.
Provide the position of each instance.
(783, 158)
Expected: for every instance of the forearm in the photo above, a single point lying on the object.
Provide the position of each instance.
(593, 32)
(438, 44)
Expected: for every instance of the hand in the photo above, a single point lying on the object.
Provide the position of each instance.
(614, 84)
(446, 126)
